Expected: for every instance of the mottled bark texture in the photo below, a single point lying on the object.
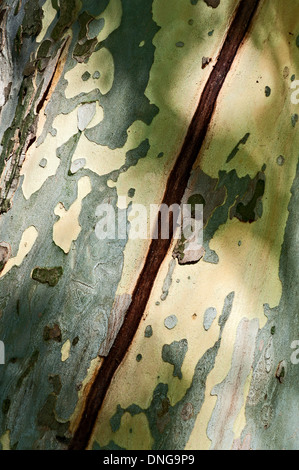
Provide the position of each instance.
(132, 344)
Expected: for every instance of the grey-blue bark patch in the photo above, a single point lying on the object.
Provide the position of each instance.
(174, 354)
(131, 192)
(77, 165)
(126, 101)
(168, 279)
(86, 76)
(267, 91)
(280, 160)
(85, 114)
(96, 75)
(209, 316)
(43, 163)
(95, 27)
(170, 322)
(148, 331)
(226, 197)
(116, 419)
(80, 304)
(272, 413)
(132, 158)
(94, 7)
(294, 119)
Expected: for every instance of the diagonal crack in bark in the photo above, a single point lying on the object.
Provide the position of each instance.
(158, 249)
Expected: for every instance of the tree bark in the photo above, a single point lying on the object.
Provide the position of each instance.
(125, 343)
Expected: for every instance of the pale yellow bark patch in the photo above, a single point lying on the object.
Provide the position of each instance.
(65, 350)
(100, 61)
(49, 15)
(95, 365)
(112, 16)
(5, 440)
(67, 228)
(128, 436)
(27, 241)
(99, 159)
(102, 160)
(34, 175)
(98, 117)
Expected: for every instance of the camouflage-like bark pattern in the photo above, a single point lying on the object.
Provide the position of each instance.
(96, 98)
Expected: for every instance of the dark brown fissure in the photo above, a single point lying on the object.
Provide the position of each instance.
(158, 249)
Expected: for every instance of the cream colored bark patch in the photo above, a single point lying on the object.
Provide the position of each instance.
(5, 440)
(112, 16)
(65, 350)
(36, 175)
(102, 160)
(27, 241)
(67, 228)
(128, 436)
(100, 61)
(49, 15)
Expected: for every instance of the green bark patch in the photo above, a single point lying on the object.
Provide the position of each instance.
(31, 363)
(195, 200)
(294, 119)
(85, 45)
(49, 276)
(132, 65)
(84, 51)
(84, 20)
(225, 197)
(174, 354)
(68, 14)
(5, 406)
(18, 41)
(236, 149)
(32, 22)
(44, 49)
(267, 91)
(246, 213)
(47, 415)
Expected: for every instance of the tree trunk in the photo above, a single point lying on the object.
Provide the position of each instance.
(134, 343)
